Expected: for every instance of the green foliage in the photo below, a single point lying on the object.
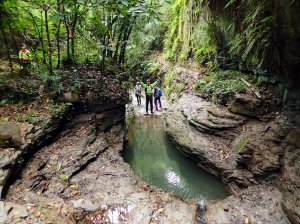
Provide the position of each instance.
(53, 82)
(91, 131)
(58, 166)
(39, 121)
(77, 31)
(20, 160)
(178, 88)
(171, 85)
(174, 35)
(75, 86)
(147, 36)
(198, 30)
(15, 89)
(168, 83)
(58, 110)
(252, 43)
(153, 68)
(169, 77)
(191, 33)
(220, 83)
(241, 144)
(63, 177)
(34, 118)
(126, 85)
(205, 55)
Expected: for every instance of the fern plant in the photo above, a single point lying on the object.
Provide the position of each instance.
(252, 39)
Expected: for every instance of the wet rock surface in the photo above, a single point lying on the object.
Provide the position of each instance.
(82, 178)
(246, 154)
(29, 137)
(256, 204)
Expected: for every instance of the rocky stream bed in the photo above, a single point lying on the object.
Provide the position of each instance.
(256, 153)
(73, 172)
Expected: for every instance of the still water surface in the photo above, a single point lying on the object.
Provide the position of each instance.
(153, 157)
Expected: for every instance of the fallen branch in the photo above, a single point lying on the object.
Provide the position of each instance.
(252, 88)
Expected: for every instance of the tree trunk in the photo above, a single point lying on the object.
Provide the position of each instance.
(73, 35)
(125, 41)
(109, 34)
(68, 40)
(42, 41)
(7, 47)
(103, 55)
(13, 38)
(118, 43)
(58, 36)
(74, 23)
(104, 50)
(122, 45)
(58, 45)
(49, 42)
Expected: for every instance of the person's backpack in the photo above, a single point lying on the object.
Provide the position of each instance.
(155, 92)
(138, 90)
(160, 92)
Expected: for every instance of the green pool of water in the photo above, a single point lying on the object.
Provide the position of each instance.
(153, 157)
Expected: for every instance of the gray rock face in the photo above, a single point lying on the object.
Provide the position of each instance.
(209, 118)
(11, 157)
(291, 177)
(8, 156)
(204, 132)
(82, 174)
(10, 135)
(246, 105)
(12, 212)
(242, 152)
(257, 204)
(239, 150)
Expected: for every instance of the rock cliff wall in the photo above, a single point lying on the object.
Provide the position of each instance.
(248, 153)
(260, 37)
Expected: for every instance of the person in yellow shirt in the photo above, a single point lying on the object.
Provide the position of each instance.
(24, 56)
(149, 94)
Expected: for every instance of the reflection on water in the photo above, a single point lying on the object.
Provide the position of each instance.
(156, 161)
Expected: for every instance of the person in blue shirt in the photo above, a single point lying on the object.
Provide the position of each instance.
(157, 95)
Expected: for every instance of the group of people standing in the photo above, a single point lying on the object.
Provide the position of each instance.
(151, 90)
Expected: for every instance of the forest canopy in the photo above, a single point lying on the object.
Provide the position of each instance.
(64, 32)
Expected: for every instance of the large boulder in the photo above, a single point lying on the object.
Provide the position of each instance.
(10, 135)
(246, 105)
(240, 151)
(204, 132)
(70, 97)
